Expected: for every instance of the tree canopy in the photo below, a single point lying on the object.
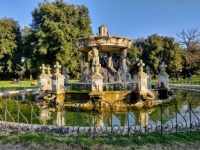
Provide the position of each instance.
(54, 28)
(190, 41)
(10, 41)
(159, 48)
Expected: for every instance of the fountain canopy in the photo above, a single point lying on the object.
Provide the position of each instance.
(103, 44)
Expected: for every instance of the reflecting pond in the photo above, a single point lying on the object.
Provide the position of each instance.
(184, 109)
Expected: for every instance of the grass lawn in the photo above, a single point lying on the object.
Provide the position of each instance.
(21, 84)
(195, 79)
(186, 140)
(26, 83)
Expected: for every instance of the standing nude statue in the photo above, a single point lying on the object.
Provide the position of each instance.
(95, 56)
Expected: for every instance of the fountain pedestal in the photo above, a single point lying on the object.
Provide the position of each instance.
(97, 83)
(140, 88)
(58, 80)
(44, 85)
(163, 82)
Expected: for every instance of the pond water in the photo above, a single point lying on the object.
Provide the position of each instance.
(184, 109)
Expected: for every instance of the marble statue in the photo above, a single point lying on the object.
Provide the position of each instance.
(95, 56)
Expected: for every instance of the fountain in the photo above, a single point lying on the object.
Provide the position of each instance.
(107, 100)
(103, 80)
(104, 45)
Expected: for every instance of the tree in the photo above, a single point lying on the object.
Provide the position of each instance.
(54, 28)
(27, 53)
(190, 40)
(134, 54)
(158, 49)
(10, 50)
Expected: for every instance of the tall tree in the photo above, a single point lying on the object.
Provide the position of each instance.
(189, 38)
(158, 49)
(10, 41)
(134, 54)
(190, 41)
(54, 28)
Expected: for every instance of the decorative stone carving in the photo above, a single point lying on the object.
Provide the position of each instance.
(49, 80)
(119, 73)
(128, 76)
(49, 71)
(57, 66)
(140, 65)
(106, 45)
(163, 77)
(95, 56)
(43, 67)
(58, 80)
(110, 63)
(66, 80)
(162, 69)
(149, 77)
(141, 85)
(103, 30)
(141, 78)
(43, 83)
(43, 78)
(97, 84)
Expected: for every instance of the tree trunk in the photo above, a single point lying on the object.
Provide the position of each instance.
(31, 77)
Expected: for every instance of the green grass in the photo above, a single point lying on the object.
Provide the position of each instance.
(73, 81)
(106, 142)
(195, 79)
(25, 82)
(10, 84)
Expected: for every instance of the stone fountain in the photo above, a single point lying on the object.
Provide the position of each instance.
(98, 75)
(103, 45)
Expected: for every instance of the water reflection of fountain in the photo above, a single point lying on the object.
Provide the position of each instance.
(137, 96)
(44, 115)
(47, 115)
(100, 116)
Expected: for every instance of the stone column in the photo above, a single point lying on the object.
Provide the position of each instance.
(109, 60)
(84, 64)
(123, 54)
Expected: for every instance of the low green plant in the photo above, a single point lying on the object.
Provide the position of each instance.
(104, 142)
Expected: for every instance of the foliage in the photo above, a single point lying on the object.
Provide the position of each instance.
(134, 54)
(190, 40)
(10, 50)
(158, 49)
(54, 28)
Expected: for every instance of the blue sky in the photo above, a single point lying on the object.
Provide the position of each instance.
(130, 18)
